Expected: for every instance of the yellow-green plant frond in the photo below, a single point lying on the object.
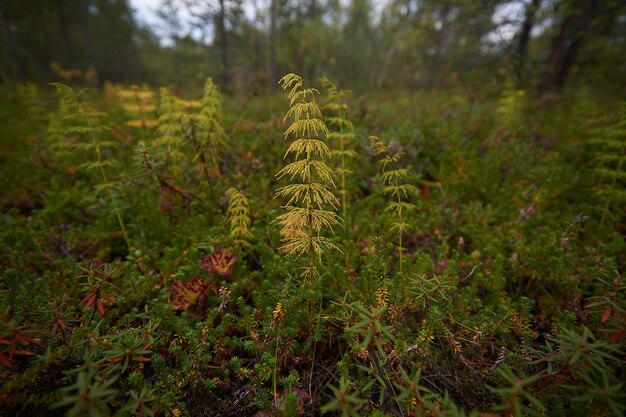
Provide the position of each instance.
(205, 133)
(304, 95)
(378, 145)
(301, 243)
(308, 146)
(400, 227)
(211, 120)
(239, 217)
(92, 146)
(188, 105)
(75, 112)
(330, 88)
(341, 123)
(400, 190)
(291, 81)
(389, 177)
(304, 168)
(306, 110)
(87, 166)
(140, 106)
(313, 194)
(396, 157)
(335, 98)
(310, 128)
(69, 99)
(299, 218)
(400, 206)
(346, 153)
(169, 138)
(135, 92)
(211, 103)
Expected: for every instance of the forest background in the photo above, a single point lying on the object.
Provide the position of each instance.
(457, 248)
(246, 45)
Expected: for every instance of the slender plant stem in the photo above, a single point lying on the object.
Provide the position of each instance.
(274, 384)
(613, 182)
(319, 316)
(343, 171)
(105, 181)
(400, 249)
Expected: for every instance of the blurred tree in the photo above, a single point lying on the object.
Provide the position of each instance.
(576, 18)
(272, 45)
(521, 50)
(216, 21)
(76, 34)
(357, 57)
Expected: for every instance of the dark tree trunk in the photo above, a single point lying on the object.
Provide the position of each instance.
(256, 62)
(85, 30)
(223, 45)
(63, 27)
(521, 52)
(13, 69)
(566, 45)
(272, 67)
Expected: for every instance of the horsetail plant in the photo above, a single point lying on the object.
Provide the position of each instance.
(140, 106)
(395, 187)
(238, 217)
(610, 166)
(204, 131)
(170, 140)
(311, 206)
(31, 100)
(82, 118)
(341, 131)
(211, 134)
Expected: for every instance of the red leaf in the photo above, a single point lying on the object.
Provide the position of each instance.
(89, 300)
(606, 315)
(220, 262)
(617, 336)
(101, 307)
(184, 294)
(180, 190)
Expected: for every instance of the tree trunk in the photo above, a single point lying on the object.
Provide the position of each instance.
(223, 45)
(12, 70)
(521, 52)
(566, 45)
(85, 30)
(272, 68)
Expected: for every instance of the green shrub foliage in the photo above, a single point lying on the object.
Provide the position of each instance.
(175, 257)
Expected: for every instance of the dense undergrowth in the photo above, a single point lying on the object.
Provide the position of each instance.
(441, 254)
